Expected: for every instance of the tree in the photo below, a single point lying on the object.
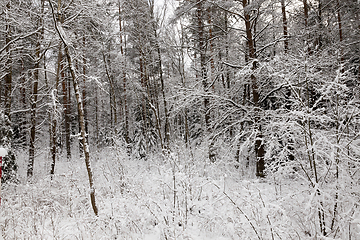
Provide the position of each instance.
(83, 137)
(6, 135)
(9, 167)
(34, 99)
(284, 19)
(124, 79)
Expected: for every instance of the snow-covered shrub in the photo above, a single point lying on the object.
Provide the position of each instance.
(9, 165)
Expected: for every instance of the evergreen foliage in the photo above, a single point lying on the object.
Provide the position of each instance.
(9, 166)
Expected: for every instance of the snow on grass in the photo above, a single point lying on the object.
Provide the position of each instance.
(176, 196)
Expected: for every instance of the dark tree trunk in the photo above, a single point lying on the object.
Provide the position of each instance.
(203, 59)
(340, 34)
(84, 95)
(54, 112)
(66, 112)
(285, 30)
(8, 69)
(126, 112)
(34, 98)
(259, 145)
(306, 12)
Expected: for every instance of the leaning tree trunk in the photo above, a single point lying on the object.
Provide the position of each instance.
(75, 80)
(82, 130)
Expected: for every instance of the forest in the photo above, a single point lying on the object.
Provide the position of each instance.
(180, 119)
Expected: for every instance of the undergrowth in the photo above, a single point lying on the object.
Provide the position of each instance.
(176, 195)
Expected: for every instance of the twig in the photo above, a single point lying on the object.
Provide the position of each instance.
(20, 37)
(241, 211)
(267, 216)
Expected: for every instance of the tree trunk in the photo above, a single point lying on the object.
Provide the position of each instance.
(143, 100)
(8, 69)
(182, 75)
(96, 116)
(285, 30)
(202, 45)
(202, 52)
(306, 12)
(161, 75)
(54, 113)
(9, 166)
(80, 109)
(83, 132)
(34, 98)
(126, 112)
(84, 90)
(259, 146)
(340, 34)
(66, 103)
(319, 40)
(211, 49)
(113, 114)
(23, 121)
(33, 122)
(66, 112)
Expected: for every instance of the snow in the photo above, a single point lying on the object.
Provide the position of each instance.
(136, 201)
(3, 152)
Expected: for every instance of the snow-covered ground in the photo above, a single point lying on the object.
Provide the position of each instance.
(177, 196)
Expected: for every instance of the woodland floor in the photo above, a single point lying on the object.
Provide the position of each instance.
(181, 196)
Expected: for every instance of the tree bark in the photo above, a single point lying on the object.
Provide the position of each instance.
(80, 109)
(34, 98)
(285, 30)
(8, 69)
(340, 34)
(84, 95)
(202, 46)
(182, 75)
(65, 98)
(259, 146)
(54, 113)
(112, 100)
(66, 112)
(161, 75)
(33, 122)
(306, 12)
(83, 132)
(126, 112)
(96, 116)
(200, 14)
